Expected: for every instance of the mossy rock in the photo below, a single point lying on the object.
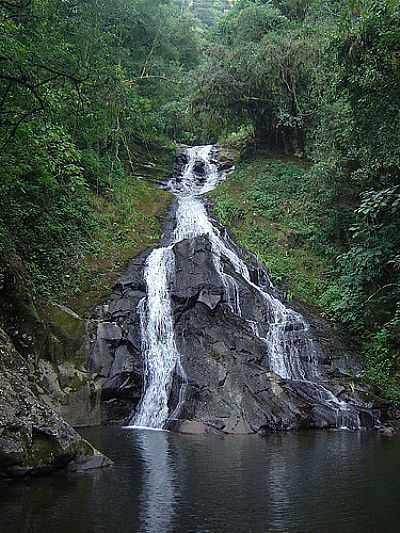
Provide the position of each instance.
(64, 319)
(44, 452)
(66, 334)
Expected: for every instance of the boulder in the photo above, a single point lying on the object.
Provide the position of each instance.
(34, 438)
(199, 168)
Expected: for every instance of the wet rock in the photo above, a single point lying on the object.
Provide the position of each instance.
(387, 431)
(210, 298)
(101, 358)
(225, 382)
(109, 331)
(199, 168)
(116, 411)
(225, 363)
(194, 428)
(224, 157)
(82, 407)
(65, 334)
(121, 307)
(180, 164)
(34, 439)
(115, 352)
(124, 361)
(109, 334)
(125, 378)
(48, 379)
(83, 463)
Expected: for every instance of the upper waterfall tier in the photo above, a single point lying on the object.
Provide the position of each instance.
(220, 347)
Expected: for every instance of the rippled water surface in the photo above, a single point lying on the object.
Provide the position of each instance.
(312, 482)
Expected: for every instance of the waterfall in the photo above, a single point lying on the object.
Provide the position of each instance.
(286, 357)
(157, 326)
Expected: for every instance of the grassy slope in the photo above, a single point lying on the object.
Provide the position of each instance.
(266, 205)
(128, 220)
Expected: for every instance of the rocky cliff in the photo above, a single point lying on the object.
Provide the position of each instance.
(227, 380)
(34, 438)
(227, 386)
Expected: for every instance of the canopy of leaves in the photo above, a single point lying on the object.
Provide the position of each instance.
(85, 88)
(259, 70)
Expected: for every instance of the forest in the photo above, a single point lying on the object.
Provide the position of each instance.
(96, 94)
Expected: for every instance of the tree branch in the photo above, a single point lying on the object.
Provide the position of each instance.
(381, 289)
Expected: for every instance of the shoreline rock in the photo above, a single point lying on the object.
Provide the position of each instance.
(34, 438)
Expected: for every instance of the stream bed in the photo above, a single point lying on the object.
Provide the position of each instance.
(306, 482)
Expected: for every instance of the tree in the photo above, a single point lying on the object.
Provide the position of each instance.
(259, 71)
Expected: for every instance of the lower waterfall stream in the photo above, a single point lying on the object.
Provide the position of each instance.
(285, 356)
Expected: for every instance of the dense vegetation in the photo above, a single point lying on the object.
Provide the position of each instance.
(86, 92)
(267, 203)
(92, 93)
(207, 12)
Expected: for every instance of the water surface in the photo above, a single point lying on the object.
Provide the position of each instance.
(310, 482)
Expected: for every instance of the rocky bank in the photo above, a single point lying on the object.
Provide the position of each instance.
(34, 438)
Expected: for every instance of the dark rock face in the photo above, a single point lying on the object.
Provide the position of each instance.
(230, 386)
(34, 439)
(52, 339)
(229, 334)
(116, 347)
(180, 163)
(227, 384)
(44, 384)
(199, 169)
(224, 158)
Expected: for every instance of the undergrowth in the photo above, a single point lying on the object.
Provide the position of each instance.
(266, 204)
(128, 220)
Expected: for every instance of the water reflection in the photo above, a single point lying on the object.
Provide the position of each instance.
(158, 498)
(313, 482)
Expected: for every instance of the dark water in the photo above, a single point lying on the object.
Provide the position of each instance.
(310, 482)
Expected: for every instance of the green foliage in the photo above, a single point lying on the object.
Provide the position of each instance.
(258, 72)
(268, 206)
(45, 204)
(241, 139)
(227, 210)
(250, 22)
(359, 141)
(207, 12)
(383, 359)
(127, 221)
(85, 89)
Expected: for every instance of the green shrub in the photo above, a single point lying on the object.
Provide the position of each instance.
(382, 356)
(240, 139)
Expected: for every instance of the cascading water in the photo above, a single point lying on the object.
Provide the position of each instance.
(159, 347)
(285, 355)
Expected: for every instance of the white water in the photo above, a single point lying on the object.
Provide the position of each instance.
(286, 355)
(158, 339)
